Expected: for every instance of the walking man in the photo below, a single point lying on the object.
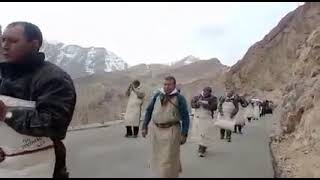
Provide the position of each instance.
(228, 108)
(166, 109)
(133, 112)
(205, 105)
(26, 75)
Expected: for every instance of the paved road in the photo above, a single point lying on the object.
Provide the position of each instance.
(104, 152)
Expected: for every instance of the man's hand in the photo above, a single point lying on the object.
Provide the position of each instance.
(183, 139)
(131, 87)
(233, 114)
(3, 111)
(144, 132)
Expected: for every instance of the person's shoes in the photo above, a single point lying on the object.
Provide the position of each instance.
(127, 136)
(135, 136)
(201, 154)
(229, 139)
(240, 132)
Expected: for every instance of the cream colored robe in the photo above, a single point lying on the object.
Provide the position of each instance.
(133, 111)
(240, 117)
(165, 161)
(225, 121)
(203, 130)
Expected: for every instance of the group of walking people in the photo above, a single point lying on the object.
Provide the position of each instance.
(168, 111)
(37, 102)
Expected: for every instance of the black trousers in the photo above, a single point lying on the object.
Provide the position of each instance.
(135, 130)
(237, 128)
(202, 149)
(60, 168)
(227, 132)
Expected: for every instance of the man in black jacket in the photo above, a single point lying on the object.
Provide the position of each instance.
(26, 75)
(204, 104)
(230, 99)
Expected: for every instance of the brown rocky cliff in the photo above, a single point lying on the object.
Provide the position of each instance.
(267, 64)
(285, 67)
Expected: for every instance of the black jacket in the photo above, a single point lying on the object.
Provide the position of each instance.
(49, 86)
(211, 106)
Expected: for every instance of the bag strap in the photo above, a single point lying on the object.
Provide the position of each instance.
(176, 106)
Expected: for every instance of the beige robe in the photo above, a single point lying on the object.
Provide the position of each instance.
(225, 121)
(36, 164)
(240, 116)
(165, 161)
(133, 111)
(203, 130)
(249, 111)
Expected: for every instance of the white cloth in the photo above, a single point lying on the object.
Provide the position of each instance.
(240, 117)
(173, 92)
(225, 121)
(203, 130)
(133, 111)
(36, 164)
(249, 111)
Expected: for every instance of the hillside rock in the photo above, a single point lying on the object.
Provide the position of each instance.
(284, 67)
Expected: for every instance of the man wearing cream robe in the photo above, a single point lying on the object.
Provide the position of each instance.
(169, 129)
(133, 111)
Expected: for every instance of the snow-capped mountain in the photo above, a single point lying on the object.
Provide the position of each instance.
(79, 61)
(185, 61)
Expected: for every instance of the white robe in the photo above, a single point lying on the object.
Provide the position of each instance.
(133, 111)
(203, 130)
(240, 116)
(249, 111)
(225, 121)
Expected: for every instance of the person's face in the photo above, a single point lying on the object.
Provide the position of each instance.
(15, 45)
(206, 92)
(168, 86)
(136, 85)
(229, 93)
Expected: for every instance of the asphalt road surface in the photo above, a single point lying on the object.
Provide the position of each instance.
(105, 152)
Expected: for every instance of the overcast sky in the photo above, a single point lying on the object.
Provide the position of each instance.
(154, 32)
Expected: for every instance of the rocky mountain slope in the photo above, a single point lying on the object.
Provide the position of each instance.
(101, 96)
(284, 67)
